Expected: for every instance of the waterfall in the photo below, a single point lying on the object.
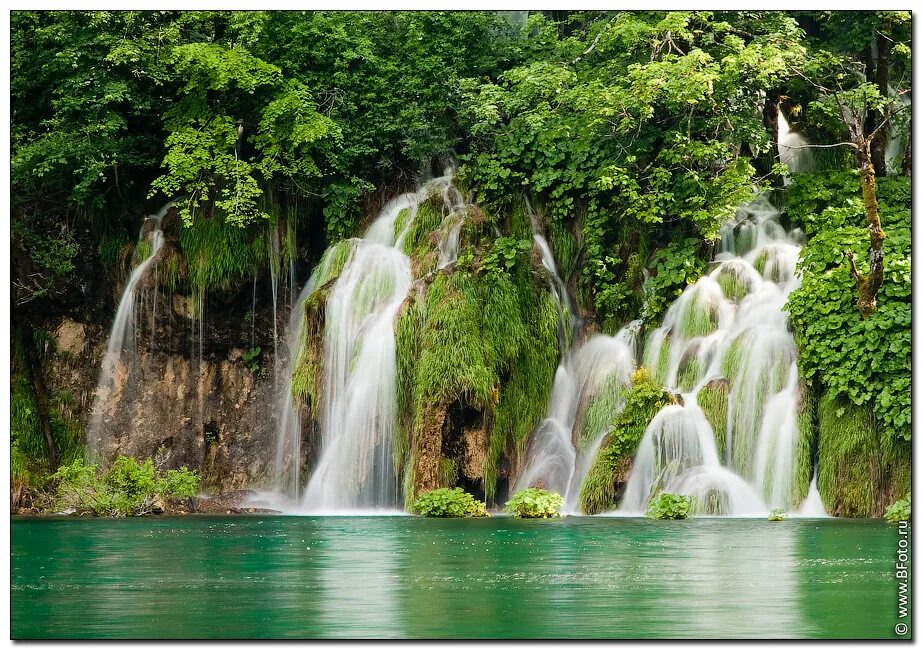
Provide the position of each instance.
(358, 411)
(121, 355)
(287, 465)
(449, 241)
(558, 455)
(792, 148)
(812, 506)
(728, 331)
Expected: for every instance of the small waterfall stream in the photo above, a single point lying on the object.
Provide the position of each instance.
(558, 457)
(121, 355)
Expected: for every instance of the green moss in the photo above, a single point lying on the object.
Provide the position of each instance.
(803, 452)
(487, 341)
(659, 364)
(642, 401)
(530, 368)
(407, 331)
(733, 288)
(219, 255)
(448, 471)
(565, 246)
(699, 319)
(760, 261)
(712, 399)
(455, 360)
(848, 458)
(688, 373)
(428, 216)
(25, 426)
(142, 251)
(307, 376)
(601, 411)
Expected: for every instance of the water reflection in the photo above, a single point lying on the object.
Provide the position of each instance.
(294, 577)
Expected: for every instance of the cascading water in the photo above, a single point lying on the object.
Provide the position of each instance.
(449, 241)
(358, 411)
(122, 349)
(558, 456)
(728, 330)
(793, 150)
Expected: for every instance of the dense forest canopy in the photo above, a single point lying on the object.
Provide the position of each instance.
(634, 135)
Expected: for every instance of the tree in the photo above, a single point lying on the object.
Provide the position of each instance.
(864, 112)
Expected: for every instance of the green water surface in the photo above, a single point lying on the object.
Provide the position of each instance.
(275, 577)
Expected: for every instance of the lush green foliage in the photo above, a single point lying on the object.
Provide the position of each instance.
(229, 113)
(867, 361)
(448, 502)
(535, 503)
(900, 510)
(669, 506)
(30, 455)
(625, 123)
(128, 488)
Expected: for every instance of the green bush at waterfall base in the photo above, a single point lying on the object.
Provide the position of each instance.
(535, 503)
(776, 515)
(642, 400)
(449, 502)
(899, 511)
(865, 361)
(669, 506)
(128, 488)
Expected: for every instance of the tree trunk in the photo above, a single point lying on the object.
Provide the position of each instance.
(882, 79)
(37, 379)
(869, 284)
(907, 158)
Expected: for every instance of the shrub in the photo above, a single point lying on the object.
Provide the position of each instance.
(449, 502)
(535, 503)
(128, 488)
(776, 515)
(669, 506)
(899, 511)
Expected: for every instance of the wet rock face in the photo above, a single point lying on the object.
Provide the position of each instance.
(216, 417)
(70, 337)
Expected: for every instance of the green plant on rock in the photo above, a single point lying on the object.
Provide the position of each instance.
(535, 503)
(856, 464)
(777, 514)
(251, 358)
(449, 502)
(669, 506)
(674, 267)
(642, 400)
(129, 487)
(900, 510)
